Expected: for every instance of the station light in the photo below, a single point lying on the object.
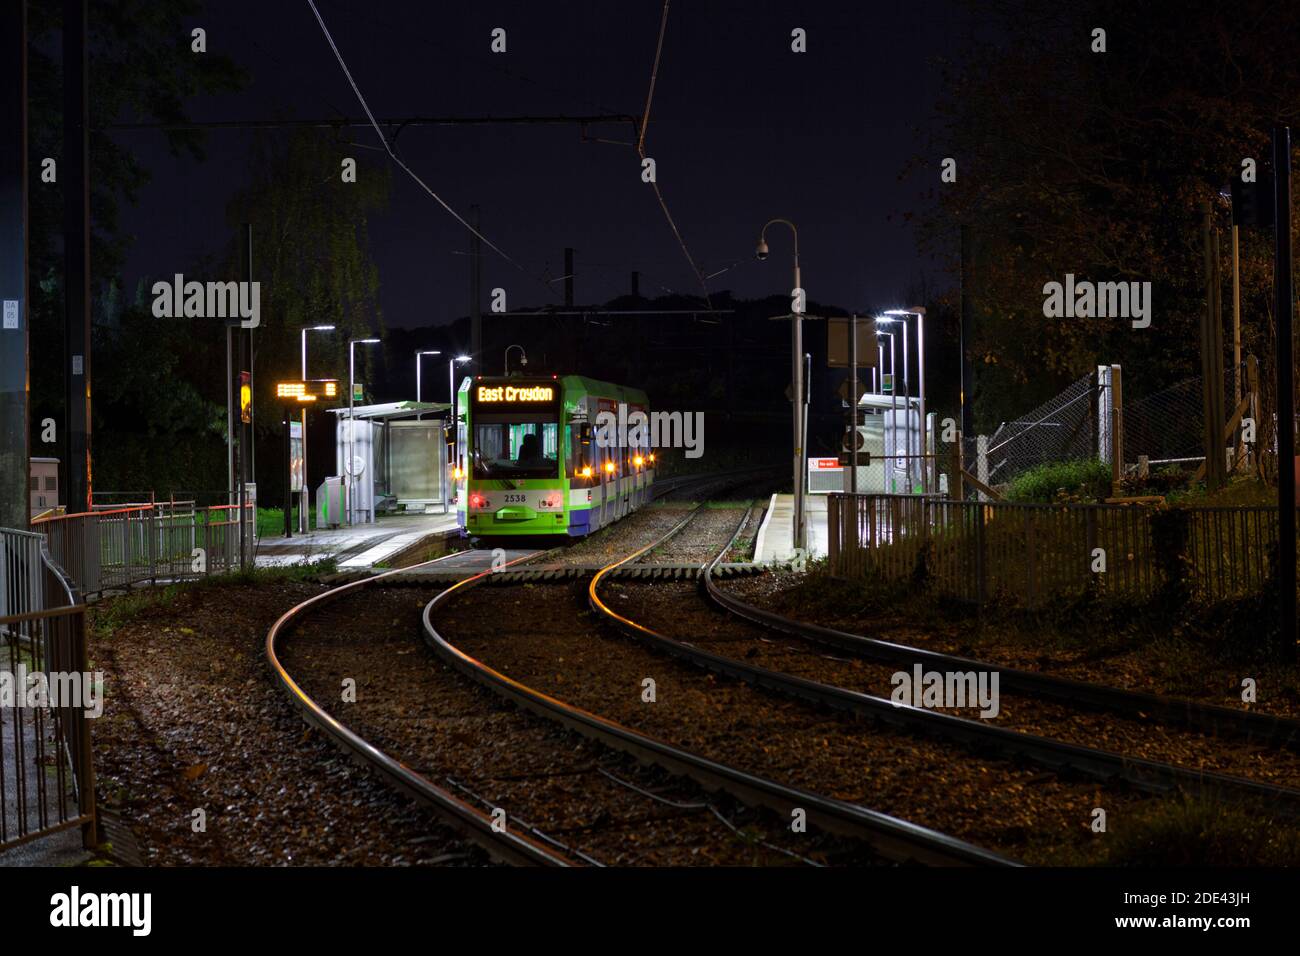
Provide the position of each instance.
(652, 458)
(638, 461)
(609, 466)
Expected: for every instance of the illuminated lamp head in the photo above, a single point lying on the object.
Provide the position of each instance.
(609, 466)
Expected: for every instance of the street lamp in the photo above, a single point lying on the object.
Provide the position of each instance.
(886, 319)
(451, 401)
(919, 312)
(523, 356)
(796, 378)
(893, 402)
(418, 355)
(304, 495)
(352, 425)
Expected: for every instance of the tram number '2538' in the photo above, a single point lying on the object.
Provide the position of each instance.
(516, 499)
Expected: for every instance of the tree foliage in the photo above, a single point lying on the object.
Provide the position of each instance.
(1091, 163)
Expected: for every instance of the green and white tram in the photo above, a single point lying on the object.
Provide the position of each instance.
(531, 460)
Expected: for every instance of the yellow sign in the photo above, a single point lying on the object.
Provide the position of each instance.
(308, 391)
(515, 393)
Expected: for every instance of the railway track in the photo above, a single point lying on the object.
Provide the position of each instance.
(513, 839)
(1057, 755)
(1193, 715)
(893, 838)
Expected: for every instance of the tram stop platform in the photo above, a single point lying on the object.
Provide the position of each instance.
(775, 541)
(357, 547)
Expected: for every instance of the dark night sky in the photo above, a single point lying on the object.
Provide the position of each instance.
(742, 130)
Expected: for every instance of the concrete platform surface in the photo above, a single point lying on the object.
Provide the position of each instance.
(775, 541)
(357, 547)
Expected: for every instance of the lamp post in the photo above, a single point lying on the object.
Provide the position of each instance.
(347, 465)
(887, 319)
(451, 402)
(523, 357)
(919, 312)
(304, 495)
(893, 405)
(418, 355)
(796, 377)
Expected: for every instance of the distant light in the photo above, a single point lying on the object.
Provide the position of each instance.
(462, 359)
(638, 461)
(320, 328)
(609, 466)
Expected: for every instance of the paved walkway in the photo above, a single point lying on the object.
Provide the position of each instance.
(360, 546)
(775, 540)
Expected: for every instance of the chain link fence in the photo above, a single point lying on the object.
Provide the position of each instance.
(1063, 428)
(1167, 426)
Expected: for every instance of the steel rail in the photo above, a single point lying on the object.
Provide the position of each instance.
(505, 846)
(1148, 775)
(894, 838)
(1208, 718)
(466, 818)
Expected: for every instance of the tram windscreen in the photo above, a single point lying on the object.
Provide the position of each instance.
(516, 445)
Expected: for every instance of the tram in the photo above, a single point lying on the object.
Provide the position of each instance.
(534, 455)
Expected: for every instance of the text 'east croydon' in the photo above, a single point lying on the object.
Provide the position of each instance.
(511, 393)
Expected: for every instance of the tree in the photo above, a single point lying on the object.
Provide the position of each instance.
(1074, 161)
(310, 248)
(141, 66)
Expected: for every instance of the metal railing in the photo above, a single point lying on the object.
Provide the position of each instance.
(168, 540)
(46, 770)
(47, 780)
(1029, 554)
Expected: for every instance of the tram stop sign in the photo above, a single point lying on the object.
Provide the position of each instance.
(845, 394)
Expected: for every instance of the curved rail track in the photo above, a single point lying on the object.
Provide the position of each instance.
(1193, 715)
(894, 838)
(506, 846)
(1058, 755)
(501, 843)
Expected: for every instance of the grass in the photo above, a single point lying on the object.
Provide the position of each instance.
(1083, 480)
(270, 521)
(107, 617)
(1185, 831)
